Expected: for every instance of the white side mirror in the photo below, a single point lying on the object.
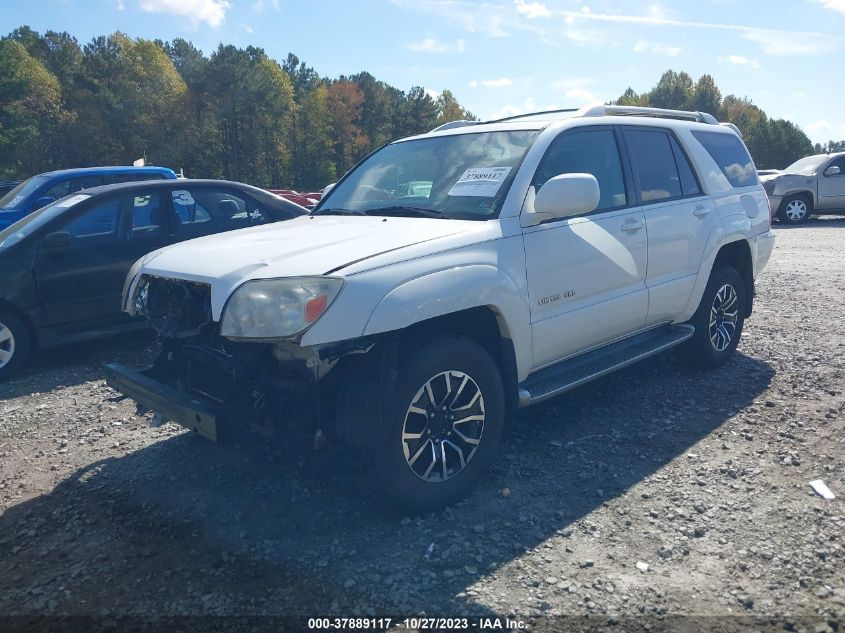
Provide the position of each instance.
(564, 196)
(327, 189)
(832, 171)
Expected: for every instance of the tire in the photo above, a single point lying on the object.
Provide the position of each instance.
(397, 437)
(15, 344)
(795, 209)
(716, 333)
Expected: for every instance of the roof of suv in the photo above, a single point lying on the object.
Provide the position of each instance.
(600, 114)
(114, 169)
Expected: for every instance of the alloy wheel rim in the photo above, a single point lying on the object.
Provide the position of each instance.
(796, 210)
(443, 426)
(724, 314)
(7, 345)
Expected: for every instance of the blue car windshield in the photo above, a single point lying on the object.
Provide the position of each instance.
(20, 193)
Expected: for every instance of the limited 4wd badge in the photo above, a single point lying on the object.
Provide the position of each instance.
(482, 182)
(544, 301)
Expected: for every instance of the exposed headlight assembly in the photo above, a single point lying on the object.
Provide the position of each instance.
(277, 308)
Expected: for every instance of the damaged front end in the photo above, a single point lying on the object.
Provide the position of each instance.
(218, 387)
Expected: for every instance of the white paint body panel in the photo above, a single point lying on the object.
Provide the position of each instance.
(556, 289)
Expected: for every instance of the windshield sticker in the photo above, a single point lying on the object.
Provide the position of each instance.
(181, 196)
(69, 202)
(482, 182)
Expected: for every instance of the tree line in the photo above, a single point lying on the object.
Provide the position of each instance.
(235, 114)
(773, 143)
(240, 115)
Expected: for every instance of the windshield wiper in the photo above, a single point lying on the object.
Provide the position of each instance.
(401, 210)
(338, 211)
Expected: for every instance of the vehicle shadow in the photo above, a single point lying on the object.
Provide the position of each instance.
(187, 526)
(77, 363)
(815, 222)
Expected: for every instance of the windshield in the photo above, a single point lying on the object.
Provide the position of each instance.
(462, 176)
(806, 166)
(35, 220)
(17, 195)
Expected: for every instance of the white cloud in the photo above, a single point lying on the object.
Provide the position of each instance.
(581, 95)
(501, 82)
(773, 41)
(740, 60)
(121, 5)
(585, 36)
(259, 5)
(212, 12)
(512, 110)
(473, 17)
(783, 44)
(431, 92)
(247, 28)
(822, 125)
(833, 5)
(643, 46)
(532, 10)
(433, 45)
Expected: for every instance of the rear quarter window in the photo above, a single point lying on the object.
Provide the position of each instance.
(730, 154)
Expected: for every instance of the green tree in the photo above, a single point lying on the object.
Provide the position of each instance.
(673, 91)
(706, 96)
(30, 111)
(450, 110)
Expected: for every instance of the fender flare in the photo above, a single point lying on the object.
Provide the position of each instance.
(452, 290)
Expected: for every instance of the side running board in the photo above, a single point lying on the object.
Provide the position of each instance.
(574, 372)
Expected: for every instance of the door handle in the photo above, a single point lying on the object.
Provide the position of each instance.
(700, 211)
(632, 225)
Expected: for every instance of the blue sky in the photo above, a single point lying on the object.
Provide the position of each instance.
(508, 56)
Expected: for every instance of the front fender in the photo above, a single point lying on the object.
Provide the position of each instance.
(451, 290)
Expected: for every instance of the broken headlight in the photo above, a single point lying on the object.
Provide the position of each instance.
(277, 308)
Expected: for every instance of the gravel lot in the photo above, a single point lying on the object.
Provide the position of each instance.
(701, 476)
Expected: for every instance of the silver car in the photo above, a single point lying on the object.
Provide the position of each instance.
(811, 185)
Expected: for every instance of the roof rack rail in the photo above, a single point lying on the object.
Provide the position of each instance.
(605, 110)
(453, 124)
(528, 114)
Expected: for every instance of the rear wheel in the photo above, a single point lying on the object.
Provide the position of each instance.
(14, 344)
(718, 320)
(438, 431)
(795, 209)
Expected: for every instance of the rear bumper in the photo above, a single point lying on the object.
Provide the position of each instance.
(189, 411)
(763, 245)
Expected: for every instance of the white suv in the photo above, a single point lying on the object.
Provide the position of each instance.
(454, 276)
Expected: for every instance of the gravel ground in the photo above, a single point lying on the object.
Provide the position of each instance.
(652, 494)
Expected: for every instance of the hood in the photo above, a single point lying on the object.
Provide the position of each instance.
(307, 245)
(771, 175)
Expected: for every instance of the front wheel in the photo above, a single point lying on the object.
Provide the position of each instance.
(795, 210)
(718, 320)
(14, 344)
(439, 430)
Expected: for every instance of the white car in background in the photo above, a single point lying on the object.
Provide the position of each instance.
(811, 185)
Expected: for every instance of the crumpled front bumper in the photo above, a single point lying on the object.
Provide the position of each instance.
(194, 413)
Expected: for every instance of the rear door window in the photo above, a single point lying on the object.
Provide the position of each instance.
(147, 216)
(211, 210)
(689, 183)
(730, 154)
(653, 164)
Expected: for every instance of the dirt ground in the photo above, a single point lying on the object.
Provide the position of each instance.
(701, 477)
